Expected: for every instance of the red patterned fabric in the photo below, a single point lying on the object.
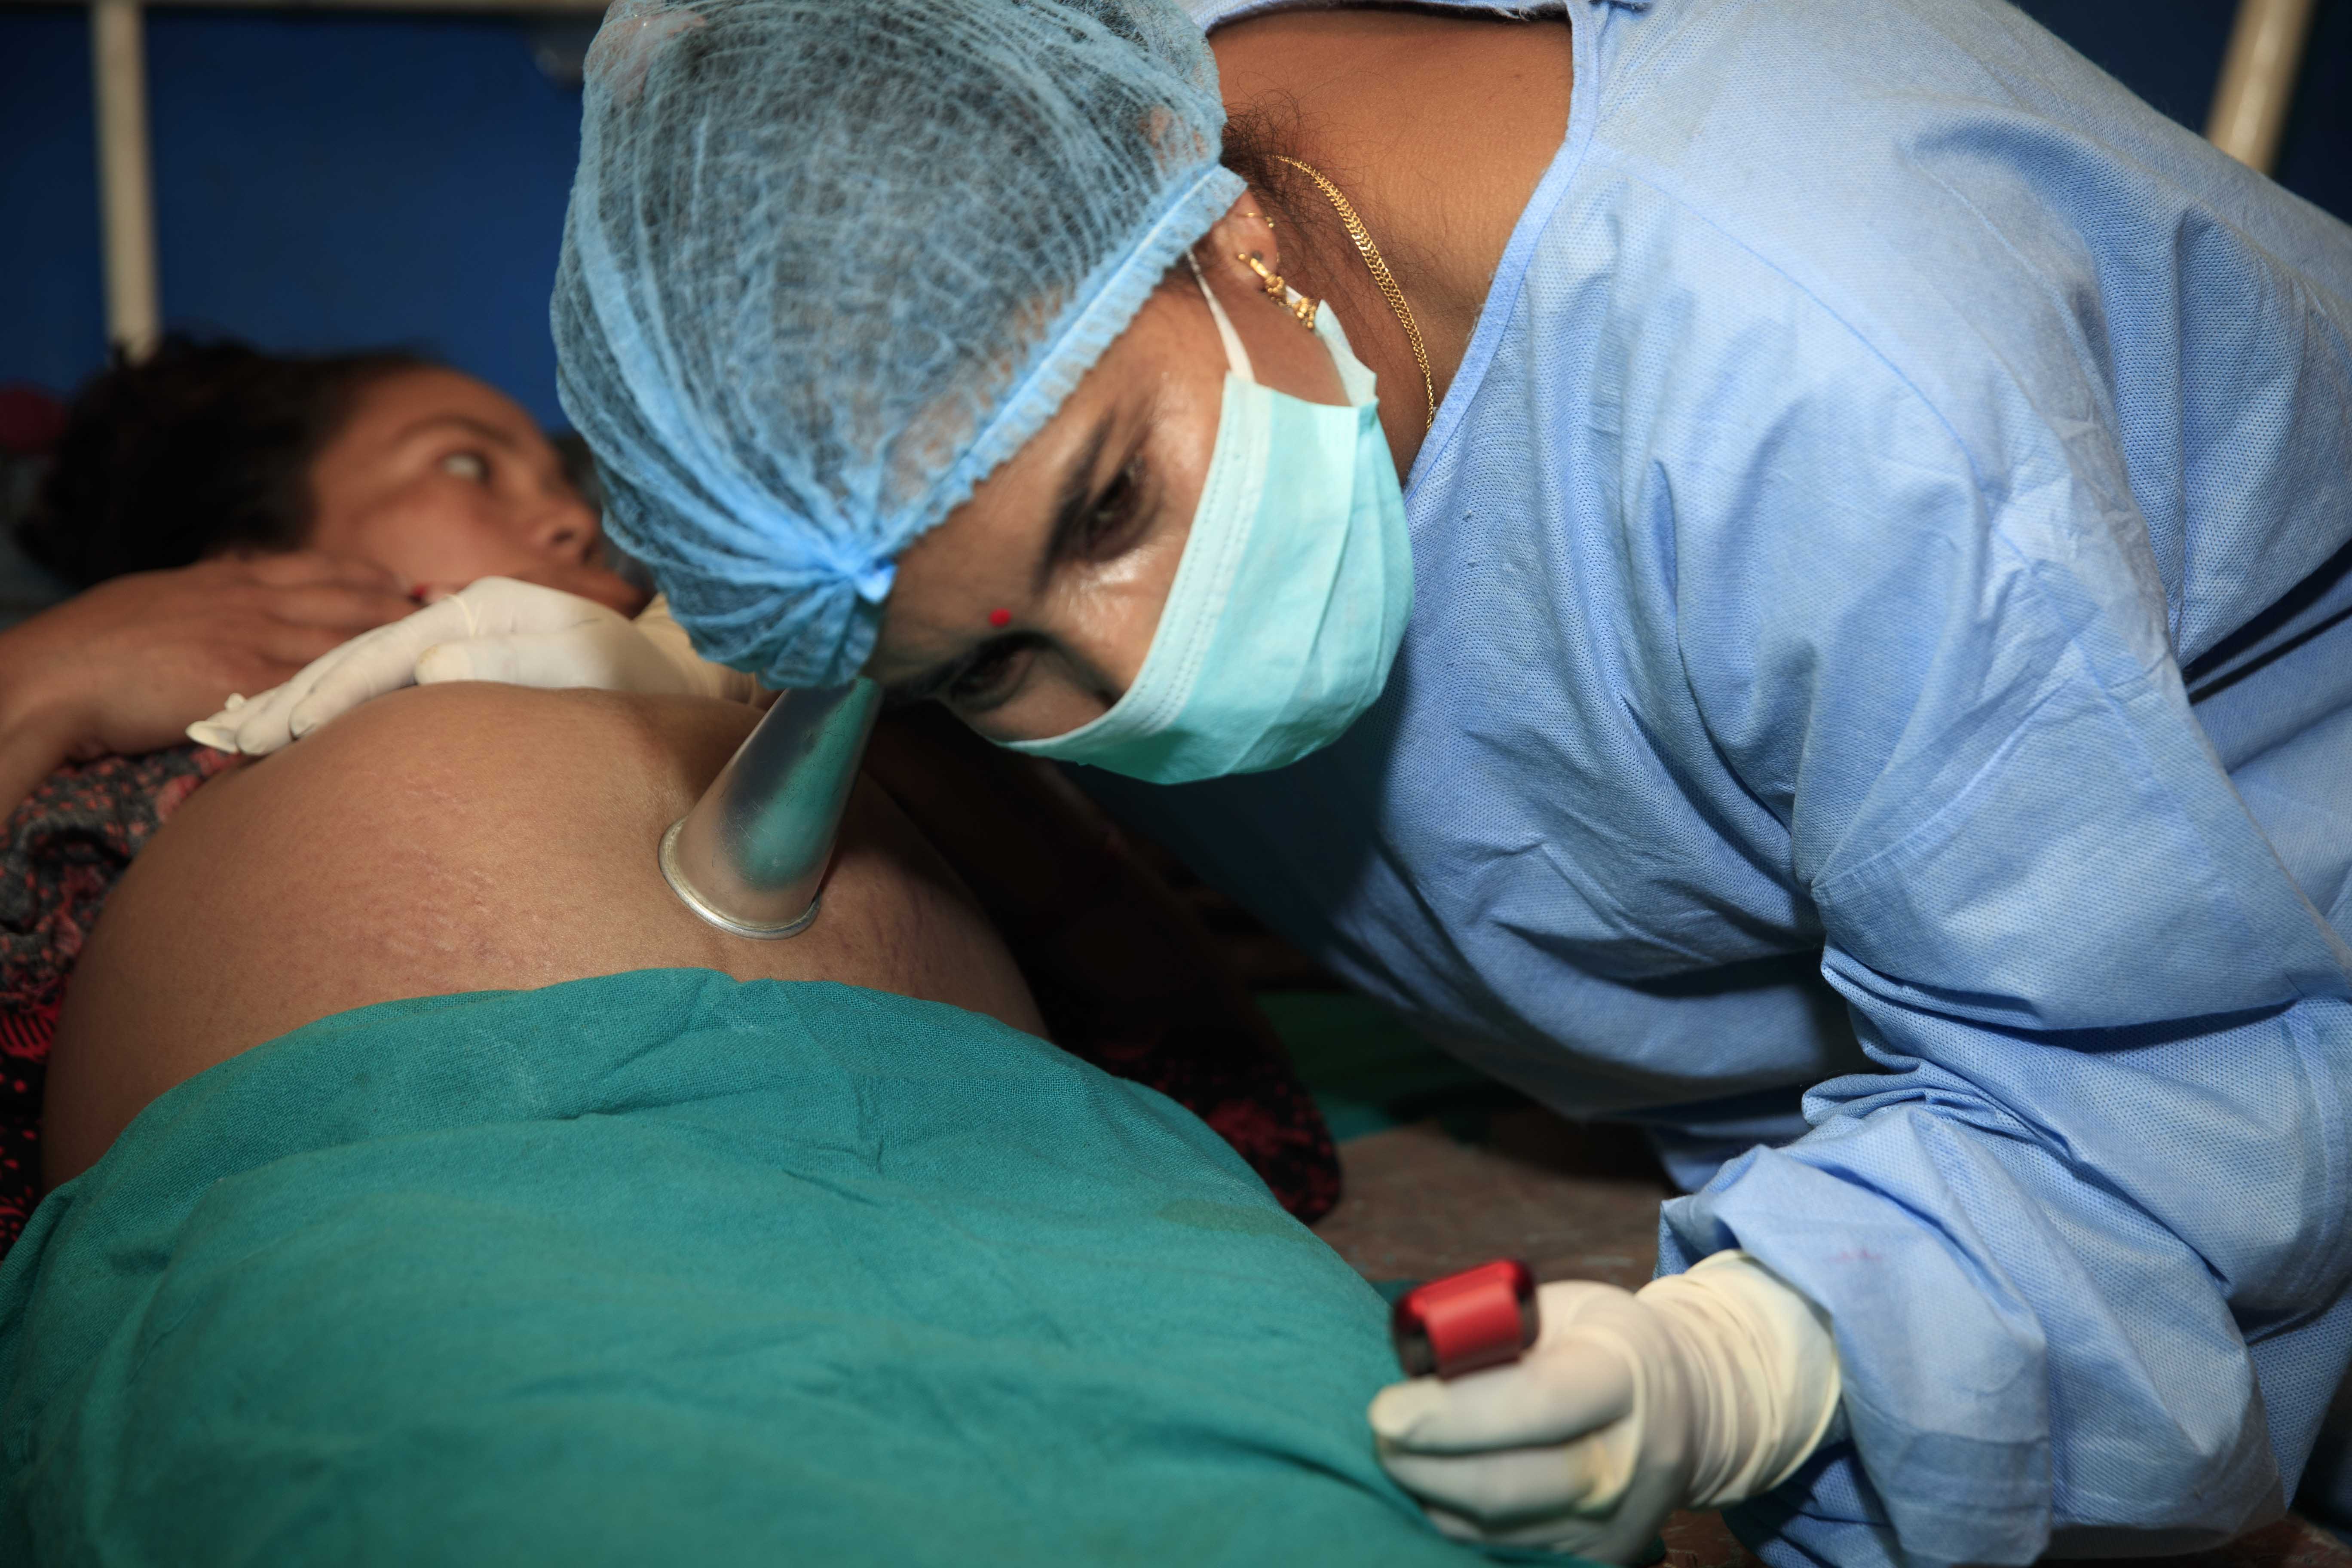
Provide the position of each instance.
(26, 1034)
(65, 847)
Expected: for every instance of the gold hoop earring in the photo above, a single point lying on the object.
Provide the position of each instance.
(1302, 309)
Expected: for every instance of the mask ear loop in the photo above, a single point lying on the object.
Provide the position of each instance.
(1237, 357)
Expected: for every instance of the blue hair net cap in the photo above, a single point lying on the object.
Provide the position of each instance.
(828, 262)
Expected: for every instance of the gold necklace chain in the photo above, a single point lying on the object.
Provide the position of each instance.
(1381, 276)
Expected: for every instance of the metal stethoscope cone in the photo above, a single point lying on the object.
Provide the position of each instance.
(751, 855)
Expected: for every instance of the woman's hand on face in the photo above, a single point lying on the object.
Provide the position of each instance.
(128, 665)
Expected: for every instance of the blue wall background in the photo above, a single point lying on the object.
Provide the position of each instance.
(320, 182)
(336, 180)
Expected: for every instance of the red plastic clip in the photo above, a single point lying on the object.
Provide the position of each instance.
(1466, 1322)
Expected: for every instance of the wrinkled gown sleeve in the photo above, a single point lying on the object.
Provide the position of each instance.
(2083, 1237)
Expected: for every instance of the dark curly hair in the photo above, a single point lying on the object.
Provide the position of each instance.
(201, 447)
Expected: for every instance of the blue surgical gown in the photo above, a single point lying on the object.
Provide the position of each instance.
(1875, 643)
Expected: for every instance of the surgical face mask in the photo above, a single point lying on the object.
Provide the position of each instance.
(1289, 600)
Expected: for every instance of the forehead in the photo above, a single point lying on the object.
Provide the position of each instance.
(991, 546)
(1013, 505)
(389, 406)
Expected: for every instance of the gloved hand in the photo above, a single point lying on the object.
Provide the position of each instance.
(497, 629)
(1701, 1390)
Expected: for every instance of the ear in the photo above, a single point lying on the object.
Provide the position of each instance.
(1244, 230)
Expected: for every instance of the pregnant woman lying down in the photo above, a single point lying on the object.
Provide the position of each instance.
(640, 1264)
(311, 495)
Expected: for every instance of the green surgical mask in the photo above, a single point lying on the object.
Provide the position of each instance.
(1291, 597)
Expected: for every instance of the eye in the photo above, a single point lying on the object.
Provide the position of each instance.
(467, 465)
(992, 674)
(1109, 521)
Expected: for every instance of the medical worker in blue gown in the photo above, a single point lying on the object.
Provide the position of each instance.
(1830, 639)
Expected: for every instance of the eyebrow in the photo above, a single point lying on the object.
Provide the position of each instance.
(483, 428)
(1070, 506)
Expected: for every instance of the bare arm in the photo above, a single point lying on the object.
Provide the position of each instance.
(34, 740)
(127, 666)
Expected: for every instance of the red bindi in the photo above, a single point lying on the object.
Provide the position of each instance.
(1000, 619)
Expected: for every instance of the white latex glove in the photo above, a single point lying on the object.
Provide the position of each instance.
(1702, 1390)
(660, 627)
(498, 630)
